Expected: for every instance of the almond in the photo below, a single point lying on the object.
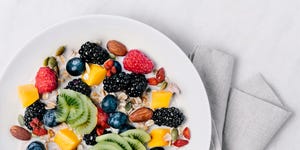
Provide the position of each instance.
(20, 133)
(117, 48)
(141, 115)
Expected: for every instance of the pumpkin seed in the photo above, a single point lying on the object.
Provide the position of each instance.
(52, 62)
(112, 56)
(163, 85)
(60, 50)
(21, 120)
(45, 63)
(128, 106)
(174, 134)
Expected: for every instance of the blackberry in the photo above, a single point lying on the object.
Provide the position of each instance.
(79, 86)
(90, 139)
(93, 53)
(35, 110)
(171, 117)
(137, 86)
(117, 82)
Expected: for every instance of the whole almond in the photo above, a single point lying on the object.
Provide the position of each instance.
(141, 115)
(20, 133)
(116, 47)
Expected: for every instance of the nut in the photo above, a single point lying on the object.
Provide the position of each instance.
(116, 48)
(141, 115)
(20, 133)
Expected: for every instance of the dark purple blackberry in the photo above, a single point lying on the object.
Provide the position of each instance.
(93, 53)
(171, 117)
(137, 86)
(90, 139)
(79, 86)
(35, 110)
(117, 82)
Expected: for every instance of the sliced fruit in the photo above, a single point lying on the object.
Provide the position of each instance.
(28, 94)
(112, 137)
(138, 134)
(135, 144)
(105, 145)
(161, 99)
(95, 75)
(91, 122)
(66, 139)
(62, 110)
(83, 117)
(158, 137)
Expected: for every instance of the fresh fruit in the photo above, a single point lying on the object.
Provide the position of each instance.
(161, 99)
(95, 75)
(117, 82)
(137, 86)
(62, 110)
(109, 104)
(28, 94)
(157, 148)
(180, 143)
(106, 145)
(66, 139)
(49, 118)
(93, 53)
(160, 75)
(186, 133)
(152, 81)
(158, 137)
(38, 127)
(35, 110)
(90, 139)
(138, 134)
(20, 133)
(171, 117)
(79, 86)
(137, 62)
(135, 144)
(36, 145)
(117, 48)
(102, 118)
(112, 137)
(75, 66)
(117, 120)
(125, 128)
(141, 115)
(45, 80)
(118, 66)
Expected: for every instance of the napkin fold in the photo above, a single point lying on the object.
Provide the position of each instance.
(248, 118)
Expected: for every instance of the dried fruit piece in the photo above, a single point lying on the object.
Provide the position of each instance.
(108, 64)
(160, 75)
(186, 133)
(141, 115)
(152, 81)
(180, 143)
(117, 48)
(20, 133)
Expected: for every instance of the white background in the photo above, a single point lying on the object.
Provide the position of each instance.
(263, 35)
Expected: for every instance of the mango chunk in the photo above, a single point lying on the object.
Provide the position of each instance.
(158, 137)
(66, 139)
(94, 75)
(28, 94)
(161, 99)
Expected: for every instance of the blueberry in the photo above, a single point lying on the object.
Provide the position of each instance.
(157, 148)
(36, 145)
(49, 118)
(125, 128)
(109, 104)
(117, 120)
(118, 66)
(75, 66)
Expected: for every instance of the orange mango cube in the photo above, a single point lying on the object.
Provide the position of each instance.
(28, 94)
(66, 139)
(161, 99)
(94, 75)
(158, 137)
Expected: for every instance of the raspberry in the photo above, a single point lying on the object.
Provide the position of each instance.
(45, 80)
(138, 62)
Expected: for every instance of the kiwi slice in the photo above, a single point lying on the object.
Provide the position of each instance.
(138, 134)
(105, 145)
(84, 116)
(112, 137)
(135, 144)
(62, 110)
(91, 122)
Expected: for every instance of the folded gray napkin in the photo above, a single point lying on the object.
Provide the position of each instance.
(248, 118)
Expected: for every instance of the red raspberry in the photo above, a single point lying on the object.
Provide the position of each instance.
(137, 62)
(102, 118)
(45, 80)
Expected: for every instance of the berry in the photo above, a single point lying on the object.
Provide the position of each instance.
(137, 86)
(90, 139)
(109, 103)
(137, 62)
(35, 110)
(171, 117)
(93, 53)
(118, 66)
(160, 75)
(117, 120)
(45, 80)
(117, 82)
(75, 66)
(125, 128)
(49, 118)
(36, 145)
(102, 119)
(186, 133)
(180, 143)
(79, 86)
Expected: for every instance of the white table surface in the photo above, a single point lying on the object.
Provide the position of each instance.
(263, 35)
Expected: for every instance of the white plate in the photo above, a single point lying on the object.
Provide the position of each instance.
(133, 34)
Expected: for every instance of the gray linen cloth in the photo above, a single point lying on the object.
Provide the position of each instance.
(244, 118)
